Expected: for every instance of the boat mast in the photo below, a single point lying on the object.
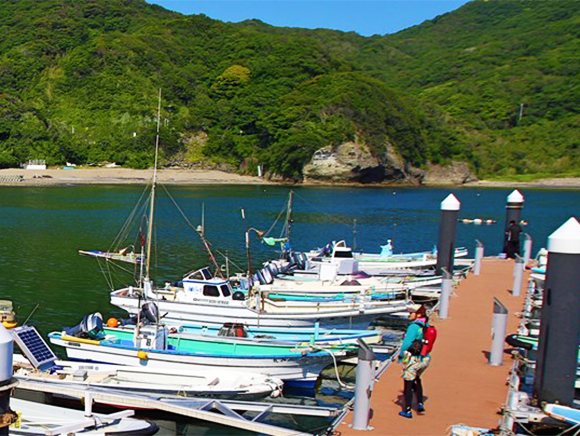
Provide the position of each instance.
(152, 205)
(288, 223)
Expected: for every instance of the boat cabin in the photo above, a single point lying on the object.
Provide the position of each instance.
(341, 251)
(201, 283)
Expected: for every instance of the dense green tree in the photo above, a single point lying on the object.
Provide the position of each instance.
(493, 83)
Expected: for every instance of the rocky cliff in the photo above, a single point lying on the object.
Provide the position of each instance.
(352, 162)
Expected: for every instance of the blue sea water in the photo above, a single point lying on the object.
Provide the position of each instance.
(41, 230)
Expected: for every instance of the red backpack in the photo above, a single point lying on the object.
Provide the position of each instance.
(429, 338)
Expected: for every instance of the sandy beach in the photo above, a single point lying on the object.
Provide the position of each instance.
(59, 176)
(51, 177)
(555, 183)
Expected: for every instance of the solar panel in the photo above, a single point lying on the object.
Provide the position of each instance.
(33, 347)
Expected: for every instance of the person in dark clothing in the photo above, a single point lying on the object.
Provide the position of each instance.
(512, 240)
(413, 366)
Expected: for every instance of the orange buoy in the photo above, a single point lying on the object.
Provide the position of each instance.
(112, 322)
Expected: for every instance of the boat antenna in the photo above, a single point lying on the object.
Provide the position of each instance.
(354, 235)
(247, 233)
(218, 272)
(152, 205)
(202, 219)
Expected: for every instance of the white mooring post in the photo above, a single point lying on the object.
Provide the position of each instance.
(498, 331)
(557, 361)
(446, 289)
(7, 383)
(518, 276)
(527, 248)
(365, 375)
(478, 257)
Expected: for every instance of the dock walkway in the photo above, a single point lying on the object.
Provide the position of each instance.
(459, 386)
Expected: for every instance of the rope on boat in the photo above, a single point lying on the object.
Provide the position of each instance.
(330, 217)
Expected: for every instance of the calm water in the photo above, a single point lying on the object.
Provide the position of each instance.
(41, 230)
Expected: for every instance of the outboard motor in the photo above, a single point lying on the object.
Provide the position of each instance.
(150, 312)
(273, 268)
(302, 261)
(267, 275)
(260, 277)
(91, 327)
(327, 249)
(291, 258)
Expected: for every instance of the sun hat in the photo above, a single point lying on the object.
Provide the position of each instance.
(412, 308)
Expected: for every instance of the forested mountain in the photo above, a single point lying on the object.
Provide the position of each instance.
(79, 81)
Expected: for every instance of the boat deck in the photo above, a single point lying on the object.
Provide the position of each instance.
(459, 386)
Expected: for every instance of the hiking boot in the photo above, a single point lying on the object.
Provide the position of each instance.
(406, 413)
(420, 408)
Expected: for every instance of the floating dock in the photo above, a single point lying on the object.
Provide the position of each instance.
(224, 412)
(460, 387)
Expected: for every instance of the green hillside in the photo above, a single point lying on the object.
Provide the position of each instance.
(79, 82)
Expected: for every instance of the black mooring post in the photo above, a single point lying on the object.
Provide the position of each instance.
(447, 228)
(560, 321)
(513, 212)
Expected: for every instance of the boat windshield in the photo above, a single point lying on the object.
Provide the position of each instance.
(226, 290)
(211, 291)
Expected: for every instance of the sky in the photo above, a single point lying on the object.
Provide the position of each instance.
(365, 17)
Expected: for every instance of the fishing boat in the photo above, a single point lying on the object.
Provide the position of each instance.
(42, 366)
(375, 264)
(319, 337)
(36, 418)
(174, 383)
(153, 346)
(202, 298)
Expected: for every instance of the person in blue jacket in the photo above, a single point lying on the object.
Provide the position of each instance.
(413, 366)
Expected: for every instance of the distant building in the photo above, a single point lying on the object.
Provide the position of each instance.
(35, 164)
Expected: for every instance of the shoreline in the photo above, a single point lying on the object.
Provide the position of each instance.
(114, 176)
(122, 176)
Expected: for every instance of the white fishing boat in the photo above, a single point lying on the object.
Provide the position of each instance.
(208, 383)
(44, 419)
(42, 366)
(153, 347)
(377, 264)
(204, 299)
